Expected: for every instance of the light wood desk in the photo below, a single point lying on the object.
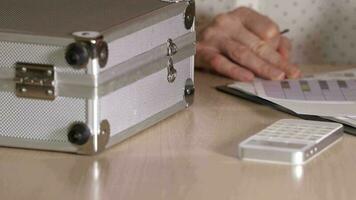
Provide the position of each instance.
(190, 156)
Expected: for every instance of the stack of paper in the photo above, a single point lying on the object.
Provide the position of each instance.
(331, 96)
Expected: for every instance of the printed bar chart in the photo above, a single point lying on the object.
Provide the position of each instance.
(311, 90)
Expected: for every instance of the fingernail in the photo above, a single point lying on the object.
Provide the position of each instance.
(244, 77)
(294, 73)
(248, 77)
(277, 74)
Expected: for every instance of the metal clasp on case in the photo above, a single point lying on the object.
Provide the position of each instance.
(35, 81)
(172, 49)
(172, 72)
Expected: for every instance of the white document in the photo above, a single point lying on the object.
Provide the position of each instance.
(340, 75)
(322, 97)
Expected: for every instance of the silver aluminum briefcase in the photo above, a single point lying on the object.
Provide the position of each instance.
(80, 76)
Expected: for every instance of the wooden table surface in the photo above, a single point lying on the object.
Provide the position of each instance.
(190, 156)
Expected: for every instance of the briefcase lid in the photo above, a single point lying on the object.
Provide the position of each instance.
(61, 18)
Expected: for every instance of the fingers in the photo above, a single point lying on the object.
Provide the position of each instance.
(247, 58)
(222, 65)
(259, 24)
(258, 46)
(262, 36)
(243, 43)
(267, 52)
(294, 72)
(246, 31)
(274, 42)
(284, 47)
(203, 56)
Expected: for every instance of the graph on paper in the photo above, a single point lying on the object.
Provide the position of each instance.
(311, 90)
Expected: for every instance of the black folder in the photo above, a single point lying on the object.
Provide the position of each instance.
(253, 98)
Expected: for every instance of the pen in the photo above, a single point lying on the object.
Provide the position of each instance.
(285, 31)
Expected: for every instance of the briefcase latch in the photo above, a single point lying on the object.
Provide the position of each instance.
(172, 49)
(35, 81)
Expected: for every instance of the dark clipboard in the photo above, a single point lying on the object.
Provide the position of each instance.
(241, 94)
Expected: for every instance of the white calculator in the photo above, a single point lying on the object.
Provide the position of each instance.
(290, 141)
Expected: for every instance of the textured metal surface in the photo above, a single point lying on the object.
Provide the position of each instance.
(150, 121)
(61, 18)
(39, 120)
(44, 122)
(71, 85)
(144, 98)
(155, 58)
(120, 50)
(127, 47)
(12, 52)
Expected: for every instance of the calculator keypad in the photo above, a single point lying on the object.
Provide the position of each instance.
(290, 141)
(298, 130)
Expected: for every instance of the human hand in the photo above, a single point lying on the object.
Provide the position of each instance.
(243, 44)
